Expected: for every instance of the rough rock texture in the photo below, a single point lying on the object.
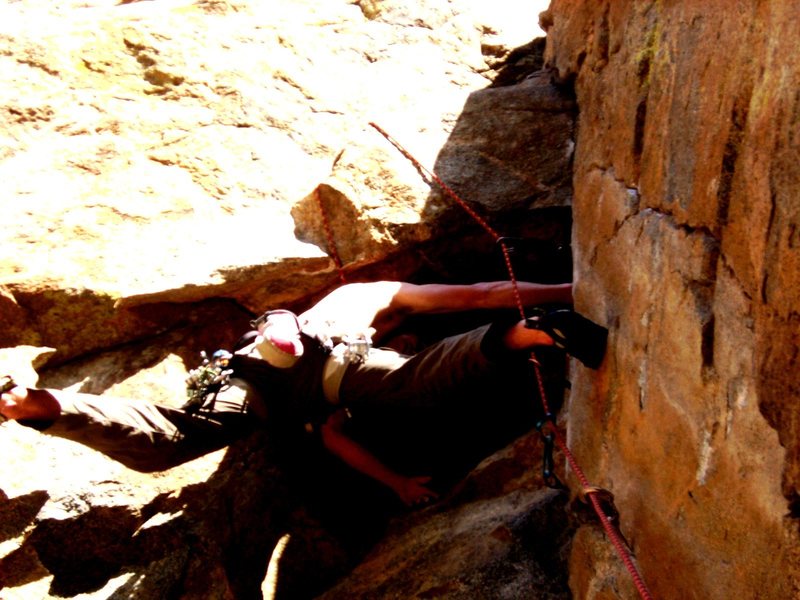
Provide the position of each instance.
(160, 161)
(502, 534)
(686, 215)
(154, 151)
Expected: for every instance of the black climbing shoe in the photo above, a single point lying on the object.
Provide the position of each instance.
(574, 333)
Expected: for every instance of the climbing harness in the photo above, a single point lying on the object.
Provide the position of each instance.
(206, 381)
(356, 347)
(550, 433)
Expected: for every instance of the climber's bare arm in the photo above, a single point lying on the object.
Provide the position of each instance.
(382, 306)
(411, 490)
(440, 298)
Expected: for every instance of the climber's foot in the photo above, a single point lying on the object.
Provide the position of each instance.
(574, 333)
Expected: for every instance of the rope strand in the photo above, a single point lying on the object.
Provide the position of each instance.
(326, 225)
(590, 491)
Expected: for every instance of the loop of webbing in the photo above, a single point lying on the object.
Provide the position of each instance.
(613, 534)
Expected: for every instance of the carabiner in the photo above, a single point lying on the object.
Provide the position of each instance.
(551, 480)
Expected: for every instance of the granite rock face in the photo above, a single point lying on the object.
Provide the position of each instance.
(686, 211)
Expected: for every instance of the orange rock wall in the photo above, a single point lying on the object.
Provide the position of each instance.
(687, 245)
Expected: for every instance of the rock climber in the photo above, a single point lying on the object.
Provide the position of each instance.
(309, 374)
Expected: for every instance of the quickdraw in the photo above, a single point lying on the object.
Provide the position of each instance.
(548, 464)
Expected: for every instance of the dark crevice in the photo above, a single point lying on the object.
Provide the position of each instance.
(603, 36)
(518, 64)
(794, 506)
(707, 343)
(773, 197)
(92, 560)
(688, 229)
(638, 129)
(730, 156)
(643, 67)
(580, 60)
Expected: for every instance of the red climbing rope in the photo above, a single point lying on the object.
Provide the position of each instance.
(592, 493)
(431, 176)
(588, 490)
(326, 224)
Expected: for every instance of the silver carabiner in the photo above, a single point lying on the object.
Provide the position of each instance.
(357, 347)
